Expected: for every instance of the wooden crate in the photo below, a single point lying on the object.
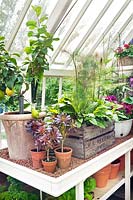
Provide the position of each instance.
(88, 141)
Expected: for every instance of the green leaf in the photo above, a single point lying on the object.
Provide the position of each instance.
(2, 38)
(43, 18)
(28, 50)
(31, 24)
(37, 10)
(16, 54)
(30, 33)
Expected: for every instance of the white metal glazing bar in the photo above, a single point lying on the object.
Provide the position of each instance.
(109, 26)
(67, 35)
(57, 14)
(121, 29)
(18, 24)
(91, 28)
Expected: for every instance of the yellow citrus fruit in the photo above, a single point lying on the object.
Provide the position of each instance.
(35, 113)
(9, 92)
(1, 94)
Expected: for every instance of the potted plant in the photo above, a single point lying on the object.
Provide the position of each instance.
(36, 129)
(124, 111)
(124, 54)
(10, 89)
(50, 139)
(63, 122)
(91, 114)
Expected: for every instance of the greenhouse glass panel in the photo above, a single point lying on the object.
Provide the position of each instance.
(83, 26)
(115, 11)
(9, 12)
(111, 40)
(20, 41)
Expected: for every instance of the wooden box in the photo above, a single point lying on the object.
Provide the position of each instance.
(88, 141)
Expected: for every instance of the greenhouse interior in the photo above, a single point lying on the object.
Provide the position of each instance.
(66, 100)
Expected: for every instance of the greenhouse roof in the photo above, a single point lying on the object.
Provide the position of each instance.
(89, 26)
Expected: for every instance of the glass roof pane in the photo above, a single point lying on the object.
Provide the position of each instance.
(84, 24)
(9, 12)
(21, 37)
(107, 18)
(111, 39)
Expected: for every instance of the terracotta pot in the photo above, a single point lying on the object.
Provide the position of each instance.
(102, 176)
(122, 163)
(49, 166)
(63, 158)
(19, 141)
(37, 158)
(115, 165)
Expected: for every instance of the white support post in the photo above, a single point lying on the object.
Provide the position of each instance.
(41, 195)
(80, 191)
(43, 92)
(127, 176)
(60, 88)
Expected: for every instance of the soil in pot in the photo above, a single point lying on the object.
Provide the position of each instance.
(37, 158)
(63, 158)
(102, 176)
(49, 166)
(115, 166)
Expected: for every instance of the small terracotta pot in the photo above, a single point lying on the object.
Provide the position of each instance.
(49, 166)
(102, 176)
(37, 158)
(63, 158)
(115, 165)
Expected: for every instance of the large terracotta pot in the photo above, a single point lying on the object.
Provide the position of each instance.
(19, 141)
(63, 158)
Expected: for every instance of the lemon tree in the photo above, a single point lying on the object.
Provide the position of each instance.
(11, 77)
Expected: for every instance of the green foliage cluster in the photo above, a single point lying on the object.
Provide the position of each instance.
(15, 191)
(11, 76)
(40, 42)
(52, 89)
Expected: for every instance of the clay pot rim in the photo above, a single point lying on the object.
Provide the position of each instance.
(115, 162)
(51, 157)
(59, 148)
(122, 121)
(35, 150)
(15, 116)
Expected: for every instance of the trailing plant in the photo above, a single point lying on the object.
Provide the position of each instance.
(40, 42)
(123, 109)
(15, 191)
